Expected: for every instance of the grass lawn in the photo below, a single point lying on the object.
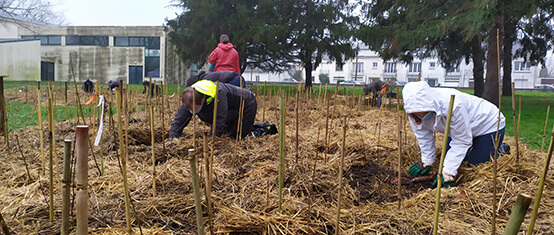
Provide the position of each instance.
(533, 110)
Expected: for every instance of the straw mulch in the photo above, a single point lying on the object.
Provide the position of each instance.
(245, 188)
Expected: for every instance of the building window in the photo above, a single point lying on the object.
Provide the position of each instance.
(257, 78)
(390, 67)
(375, 64)
(87, 40)
(358, 67)
(338, 67)
(414, 68)
(151, 52)
(432, 64)
(522, 66)
(453, 70)
(46, 40)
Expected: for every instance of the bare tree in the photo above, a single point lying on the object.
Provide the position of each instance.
(33, 11)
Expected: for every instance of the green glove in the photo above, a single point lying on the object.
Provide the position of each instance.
(444, 184)
(417, 169)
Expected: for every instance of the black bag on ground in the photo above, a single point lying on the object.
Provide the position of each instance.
(265, 128)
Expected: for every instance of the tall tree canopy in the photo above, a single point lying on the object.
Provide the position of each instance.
(271, 35)
(452, 30)
(36, 11)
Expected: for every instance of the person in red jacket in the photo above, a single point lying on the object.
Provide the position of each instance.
(224, 56)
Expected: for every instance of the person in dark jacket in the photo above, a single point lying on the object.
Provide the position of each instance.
(112, 84)
(229, 97)
(88, 86)
(374, 88)
(155, 89)
(222, 76)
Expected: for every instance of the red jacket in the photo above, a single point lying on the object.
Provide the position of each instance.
(225, 58)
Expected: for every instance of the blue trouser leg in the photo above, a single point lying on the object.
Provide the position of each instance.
(236, 81)
(380, 98)
(482, 148)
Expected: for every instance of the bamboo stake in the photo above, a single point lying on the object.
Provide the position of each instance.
(66, 186)
(77, 94)
(213, 132)
(163, 117)
(519, 113)
(123, 156)
(541, 185)
(66, 104)
(51, 158)
(196, 189)
(263, 101)
(439, 176)
(496, 140)
(326, 128)
(281, 151)
(81, 178)
(41, 134)
(296, 121)
(515, 124)
(545, 126)
(399, 161)
(241, 111)
(153, 141)
(208, 181)
(4, 226)
(341, 167)
(193, 121)
(52, 129)
(518, 214)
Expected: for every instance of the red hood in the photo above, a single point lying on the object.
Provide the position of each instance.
(225, 46)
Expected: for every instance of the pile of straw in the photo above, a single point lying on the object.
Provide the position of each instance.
(245, 187)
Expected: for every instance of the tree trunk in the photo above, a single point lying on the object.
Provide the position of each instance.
(491, 83)
(509, 32)
(478, 70)
(308, 72)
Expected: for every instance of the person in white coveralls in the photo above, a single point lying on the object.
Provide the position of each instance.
(472, 129)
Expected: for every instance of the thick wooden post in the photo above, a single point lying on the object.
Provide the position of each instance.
(81, 178)
(3, 114)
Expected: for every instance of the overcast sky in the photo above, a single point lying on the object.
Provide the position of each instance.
(116, 12)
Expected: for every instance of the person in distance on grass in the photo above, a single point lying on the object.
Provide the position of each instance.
(229, 77)
(112, 84)
(155, 89)
(224, 57)
(228, 107)
(472, 129)
(374, 88)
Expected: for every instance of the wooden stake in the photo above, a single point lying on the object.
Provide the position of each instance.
(66, 186)
(281, 151)
(545, 125)
(65, 102)
(196, 189)
(518, 214)
(296, 121)
(4, 115)
(81, 178)
(153, 141)
(163, 122)
(194, 120)
(515, 123)
(326, 127)
(51, 158)
(439, 176)
(496, 140)
(77, 94)
(41, 134)
(208, 180)
(541, 185)
(399, 161)
(341, 167)
(122, 154)
(213, 131)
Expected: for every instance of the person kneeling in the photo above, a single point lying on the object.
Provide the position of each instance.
(228, 108)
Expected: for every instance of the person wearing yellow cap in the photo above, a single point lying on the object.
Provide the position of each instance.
(228, 108)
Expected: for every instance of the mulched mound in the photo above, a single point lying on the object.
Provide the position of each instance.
(245, 177)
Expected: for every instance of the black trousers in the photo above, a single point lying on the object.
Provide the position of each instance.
(248, 117)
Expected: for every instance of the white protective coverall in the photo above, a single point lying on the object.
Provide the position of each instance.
(471, 117)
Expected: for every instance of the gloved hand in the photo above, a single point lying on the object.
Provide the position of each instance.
(450, 183)
(417, 169)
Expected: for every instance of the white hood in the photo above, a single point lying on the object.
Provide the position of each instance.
(471, 117)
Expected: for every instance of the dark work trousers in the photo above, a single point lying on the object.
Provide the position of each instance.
(482, 149)
(249, 115)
